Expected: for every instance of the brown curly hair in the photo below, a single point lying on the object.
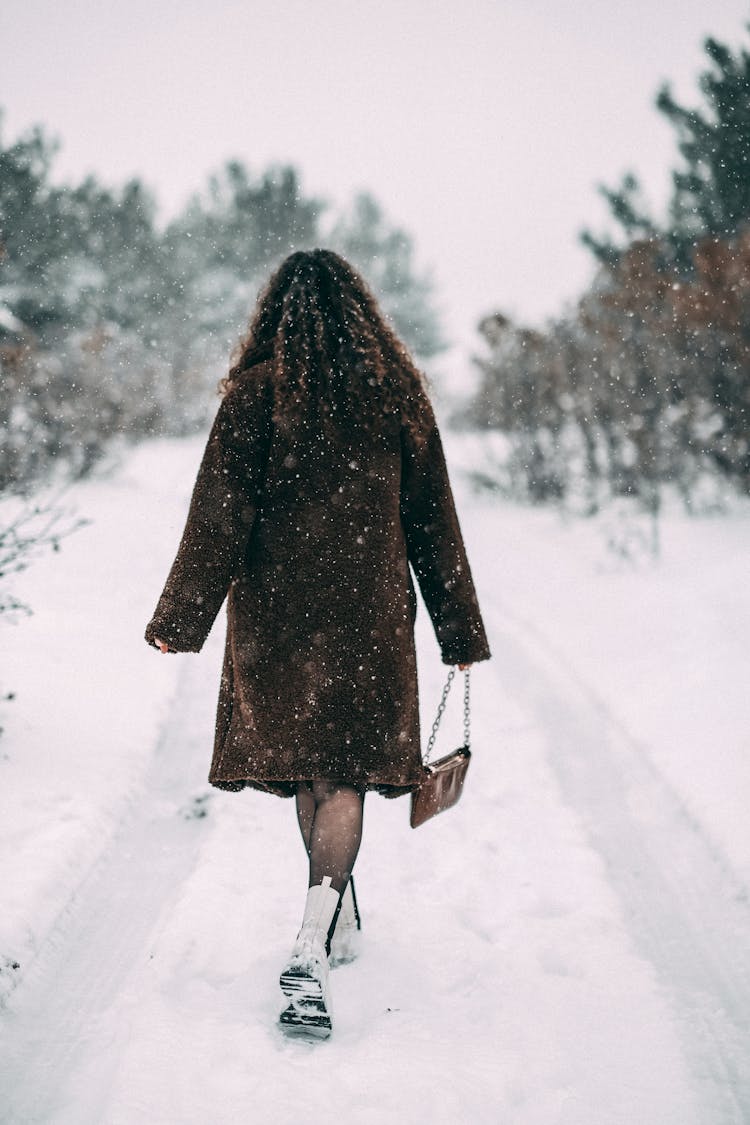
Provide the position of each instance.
(334, 356)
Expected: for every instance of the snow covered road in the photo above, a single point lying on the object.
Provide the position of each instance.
(570, 945)
(685, 910)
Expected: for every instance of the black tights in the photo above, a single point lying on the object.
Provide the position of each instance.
(330, 820)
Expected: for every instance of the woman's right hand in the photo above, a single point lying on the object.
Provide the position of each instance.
(161, 645)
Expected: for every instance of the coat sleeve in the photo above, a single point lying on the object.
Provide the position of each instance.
(435, 546)
(219, 522)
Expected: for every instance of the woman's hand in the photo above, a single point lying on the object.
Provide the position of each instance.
(161, 645)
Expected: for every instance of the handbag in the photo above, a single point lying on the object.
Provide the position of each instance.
(443, 780)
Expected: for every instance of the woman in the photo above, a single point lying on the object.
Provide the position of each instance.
(322, 480)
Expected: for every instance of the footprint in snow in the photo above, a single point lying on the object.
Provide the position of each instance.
(196, 808)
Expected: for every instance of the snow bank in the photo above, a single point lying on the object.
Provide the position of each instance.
(90, 698)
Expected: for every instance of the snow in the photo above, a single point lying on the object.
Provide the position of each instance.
(8, 321)
(567, 946)
(662, 647)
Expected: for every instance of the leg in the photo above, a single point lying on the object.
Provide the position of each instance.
(344, 939)
(305, 802)
(335, 833)
(332, 835)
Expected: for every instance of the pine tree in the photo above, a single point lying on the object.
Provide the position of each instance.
(384, 254)
(711, 191)
(113, 328)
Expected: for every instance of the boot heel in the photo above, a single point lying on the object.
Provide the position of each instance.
(345, 941)
(307, 1010)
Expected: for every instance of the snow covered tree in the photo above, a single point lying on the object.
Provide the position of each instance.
(114, 329)
(220, 250)
(27, 227)
(701, 260)
(384, 255)
(520, 395)
(647, 383)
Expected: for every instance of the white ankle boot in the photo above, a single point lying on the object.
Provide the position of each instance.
(304, 981)
(345, 939)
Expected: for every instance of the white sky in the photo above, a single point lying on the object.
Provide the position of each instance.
(482, 126)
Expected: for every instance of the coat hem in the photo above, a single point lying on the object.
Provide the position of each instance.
(286, 786)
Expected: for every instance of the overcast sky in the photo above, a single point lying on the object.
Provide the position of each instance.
(482, 126)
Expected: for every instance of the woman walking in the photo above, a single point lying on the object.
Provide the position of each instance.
(323, 478)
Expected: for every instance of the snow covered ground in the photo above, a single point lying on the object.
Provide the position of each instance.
(569, 945)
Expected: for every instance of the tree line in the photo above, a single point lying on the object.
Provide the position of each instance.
(646, 382)
(114, 327)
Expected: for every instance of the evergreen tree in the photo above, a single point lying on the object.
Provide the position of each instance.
(384, 254)
(27, 230)
(113, 328)
(222, 247)
(711, 191)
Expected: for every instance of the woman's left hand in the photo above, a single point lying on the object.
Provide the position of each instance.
(161, 645)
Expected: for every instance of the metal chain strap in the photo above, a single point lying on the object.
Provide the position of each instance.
(467, 710)
(441, 709)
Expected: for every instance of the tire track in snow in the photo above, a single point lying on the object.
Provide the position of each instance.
(104, 932)
(686, 911)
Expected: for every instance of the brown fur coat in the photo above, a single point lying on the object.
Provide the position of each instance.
(312, 545)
